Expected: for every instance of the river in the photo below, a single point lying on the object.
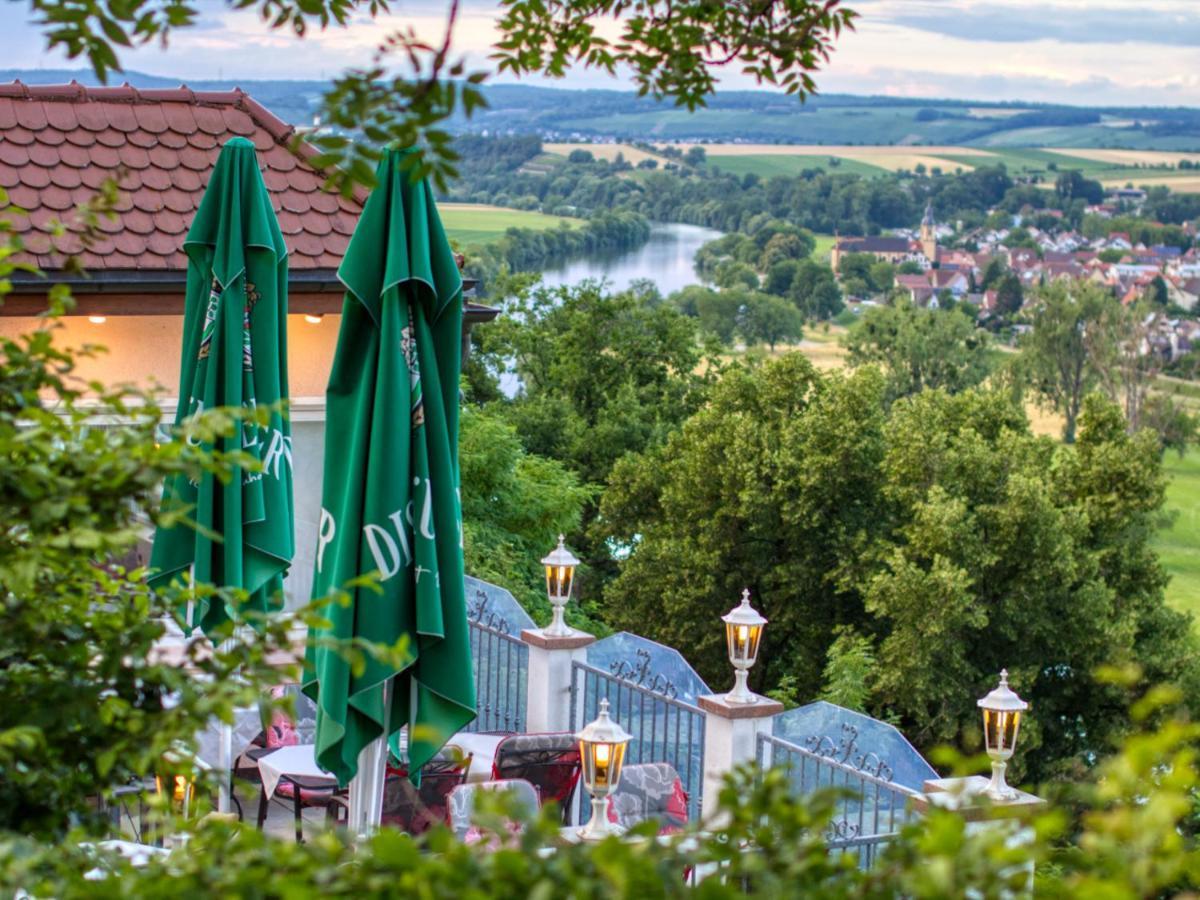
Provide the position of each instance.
(667, 259)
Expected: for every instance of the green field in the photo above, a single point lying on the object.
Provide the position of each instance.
(824, 246)
(767, 165)
(1160, 167)
(474, 224)
(1179, 544)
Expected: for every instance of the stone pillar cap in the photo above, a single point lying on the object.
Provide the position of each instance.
(534, 637)
(717, 705)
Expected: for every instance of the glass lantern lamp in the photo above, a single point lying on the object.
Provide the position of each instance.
(743, 633)
(560, 574)
(602, 748)
(1002, 710)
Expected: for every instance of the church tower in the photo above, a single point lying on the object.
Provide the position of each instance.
(928, 238)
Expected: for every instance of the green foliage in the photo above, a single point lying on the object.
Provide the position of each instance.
(920, 348)
(514, 506)
(1054, 355)
(848, 669)
(373, 106)
(814, 290)
(85, 700)
(942, 531)
(765, 318)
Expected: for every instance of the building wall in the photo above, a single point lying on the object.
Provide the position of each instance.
(145, 350)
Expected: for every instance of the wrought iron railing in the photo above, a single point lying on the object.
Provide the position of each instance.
(873, 808)
(501, 671)
(664, 728)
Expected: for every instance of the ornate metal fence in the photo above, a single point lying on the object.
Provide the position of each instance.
(501, 669)
(874, 807)
(664, 728)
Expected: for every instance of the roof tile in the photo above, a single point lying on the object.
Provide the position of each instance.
(30, 114)
(121, 116)
(58, 144)
(150, 117)
(80, 137)
(19, 135)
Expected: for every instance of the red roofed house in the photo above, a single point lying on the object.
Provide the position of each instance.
(59, 143)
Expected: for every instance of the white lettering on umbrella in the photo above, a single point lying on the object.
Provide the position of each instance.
(279, 450)
(391, 554)
(325, 532)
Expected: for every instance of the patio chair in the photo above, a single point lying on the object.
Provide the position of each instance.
(415, 809)
(280, 733)
(550, 762)
(650, 791)
(305, 793)
(462, 800)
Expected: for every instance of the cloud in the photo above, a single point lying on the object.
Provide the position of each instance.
(1069, 24)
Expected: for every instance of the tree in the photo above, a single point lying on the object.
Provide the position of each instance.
(785, 246)
(1054, 354)
(1010, 296)
(515, 504)
(780, 277)
(769, 319)
(920, 348)
(771, 486)
(736, 274)
(815, 291)
(695, 156)
(942, 530)
(1072, 185)
(1013, 551)
(1124, 353)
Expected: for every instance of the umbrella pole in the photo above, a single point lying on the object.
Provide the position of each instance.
(366, 788)
(225, 757)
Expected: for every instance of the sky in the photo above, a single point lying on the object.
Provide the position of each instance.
(1138, 52)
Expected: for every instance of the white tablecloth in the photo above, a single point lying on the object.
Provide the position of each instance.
(483, 747)
(299, 760)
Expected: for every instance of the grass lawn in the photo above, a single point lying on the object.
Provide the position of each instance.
(824, 247)
(1179, 544)
(473, 224)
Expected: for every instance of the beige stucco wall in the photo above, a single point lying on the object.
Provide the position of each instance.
(145, 349)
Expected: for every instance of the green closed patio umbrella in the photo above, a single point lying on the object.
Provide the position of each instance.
(234, 355)
(390, 502)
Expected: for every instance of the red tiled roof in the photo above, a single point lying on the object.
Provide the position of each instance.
(58, 143)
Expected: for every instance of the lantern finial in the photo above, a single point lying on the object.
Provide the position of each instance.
(1002, 711)
(743, 633)
(560, 566)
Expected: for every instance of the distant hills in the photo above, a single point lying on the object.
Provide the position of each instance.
(751, 116)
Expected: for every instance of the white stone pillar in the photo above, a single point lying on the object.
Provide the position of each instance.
(967, 798)
(731, 733)
(548, 692)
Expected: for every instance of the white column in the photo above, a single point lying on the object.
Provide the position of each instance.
(731, 733)
(548, 692)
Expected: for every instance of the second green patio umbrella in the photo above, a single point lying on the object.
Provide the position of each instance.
(234, 355)
(390, 502)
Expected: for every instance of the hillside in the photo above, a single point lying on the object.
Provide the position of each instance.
(753, 116)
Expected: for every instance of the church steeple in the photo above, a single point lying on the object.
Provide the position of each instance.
(928, 235)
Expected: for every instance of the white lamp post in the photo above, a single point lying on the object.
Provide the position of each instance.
(1002, 710)
(560, 575)
(743, 633)
(602, 746)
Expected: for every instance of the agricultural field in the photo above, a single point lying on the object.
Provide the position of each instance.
(607, 152)
(1114, 168)
(473, 224)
